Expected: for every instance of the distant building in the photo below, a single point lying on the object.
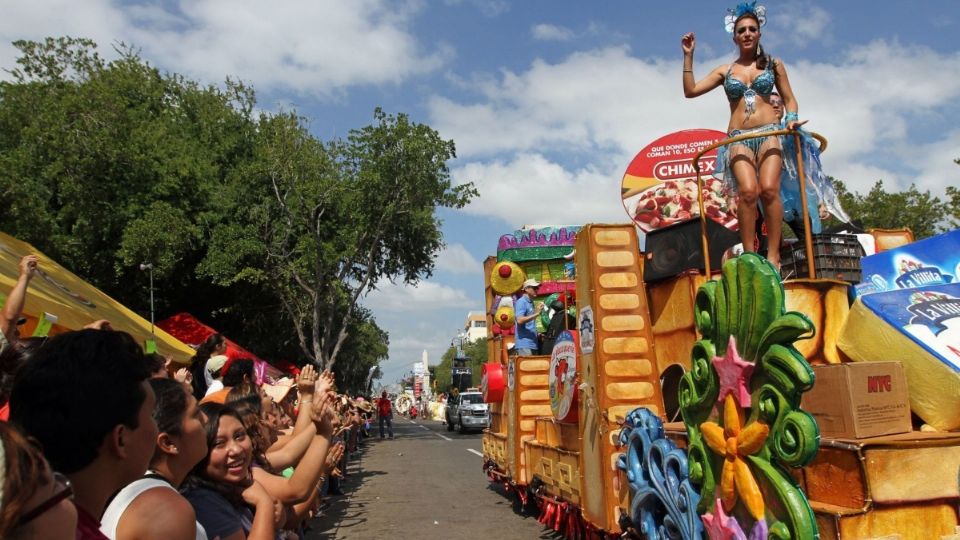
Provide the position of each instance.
(476, 326)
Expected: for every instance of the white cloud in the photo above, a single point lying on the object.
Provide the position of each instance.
(602, 98)
(567, 130)
(293, 45)
(551, 32)
(456, 259)
(936, 165)
(425, 296)
(801, 23)
(488, 8)
(532, 189)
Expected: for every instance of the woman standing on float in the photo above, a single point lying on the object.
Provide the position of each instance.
(749, 81)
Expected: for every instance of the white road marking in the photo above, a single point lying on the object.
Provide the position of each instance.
(442, 437)
(474, 452)
(424, 427)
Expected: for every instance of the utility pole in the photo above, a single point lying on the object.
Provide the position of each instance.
(149, 266)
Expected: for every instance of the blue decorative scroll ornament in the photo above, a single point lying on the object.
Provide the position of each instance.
(663, 503)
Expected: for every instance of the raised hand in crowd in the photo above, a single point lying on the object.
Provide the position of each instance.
(306, 381)
(15, 301)
(324, 413)
(101, 324)
(298, 490)
(184, 376)
(325, 382)
(28, 266)
(333, 459)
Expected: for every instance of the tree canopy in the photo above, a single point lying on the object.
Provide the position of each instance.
(250, 222)
(475, 353)
(922, 212)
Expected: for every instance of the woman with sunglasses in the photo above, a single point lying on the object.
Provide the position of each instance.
(228, 503)
(35, 502)
(751, 168)
(151, 507)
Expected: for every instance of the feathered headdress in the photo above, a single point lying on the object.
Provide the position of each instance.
(744, 8)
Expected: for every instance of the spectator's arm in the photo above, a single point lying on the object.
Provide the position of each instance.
(306, 382)
(297, 488)
(303, 511)
(292, 449)
(18, 295)
(264, 515)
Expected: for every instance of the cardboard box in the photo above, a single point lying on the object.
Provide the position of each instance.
(859, 400)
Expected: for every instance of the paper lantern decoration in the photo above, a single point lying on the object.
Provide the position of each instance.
(563, 377)
(507, 277)
(493, 382)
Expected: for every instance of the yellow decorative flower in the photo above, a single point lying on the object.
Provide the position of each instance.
(733, 443)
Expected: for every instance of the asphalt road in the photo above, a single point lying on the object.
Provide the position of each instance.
(426, 483)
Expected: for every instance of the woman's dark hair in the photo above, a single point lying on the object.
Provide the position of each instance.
(245, 391)
(248, 408)
(197, 478)
(235, 370)
(12, 358)
(171, 405)
(25, 473)
(762, 58)
(76, 389)
(155, 362)
(199, 363)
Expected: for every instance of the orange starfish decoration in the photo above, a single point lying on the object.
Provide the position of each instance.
(733, 443)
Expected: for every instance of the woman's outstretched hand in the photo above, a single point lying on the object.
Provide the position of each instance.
(688, 43)
(795, 124)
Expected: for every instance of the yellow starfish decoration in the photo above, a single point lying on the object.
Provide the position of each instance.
(733, 443)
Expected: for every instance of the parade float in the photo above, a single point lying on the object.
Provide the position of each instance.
(694, 399)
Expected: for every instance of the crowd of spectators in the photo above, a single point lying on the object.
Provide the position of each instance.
(106, 441)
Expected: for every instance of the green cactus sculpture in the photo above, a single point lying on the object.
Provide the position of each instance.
(741, 405)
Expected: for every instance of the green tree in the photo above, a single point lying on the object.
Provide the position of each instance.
(113, 159)
(476, 355)
(953, 207)
(251, 223)
(105, 165)
(327, 222)
(363, 350)
(953, 217)
(920, 211)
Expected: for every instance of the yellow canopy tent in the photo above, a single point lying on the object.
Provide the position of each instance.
(74, 302)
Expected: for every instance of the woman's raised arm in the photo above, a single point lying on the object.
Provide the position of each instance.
(691, 87)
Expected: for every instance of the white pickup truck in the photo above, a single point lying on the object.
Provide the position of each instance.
(467, 411)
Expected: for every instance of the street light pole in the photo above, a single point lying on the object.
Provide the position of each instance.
(149, 266)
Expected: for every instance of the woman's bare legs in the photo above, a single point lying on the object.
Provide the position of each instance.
(771, 164)
(748, 191)
(766, 189)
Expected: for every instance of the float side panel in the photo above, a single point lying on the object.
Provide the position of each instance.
(622, 333)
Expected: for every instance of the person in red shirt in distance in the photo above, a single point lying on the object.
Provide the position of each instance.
(385, 413)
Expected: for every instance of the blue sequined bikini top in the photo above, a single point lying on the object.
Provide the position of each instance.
(763, 84)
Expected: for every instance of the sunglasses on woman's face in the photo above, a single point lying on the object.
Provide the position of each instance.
(743, 29)
(55, 499)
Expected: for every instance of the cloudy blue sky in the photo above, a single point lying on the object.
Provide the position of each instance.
(547, 100)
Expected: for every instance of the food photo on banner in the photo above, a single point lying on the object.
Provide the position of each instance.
(659, 187)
